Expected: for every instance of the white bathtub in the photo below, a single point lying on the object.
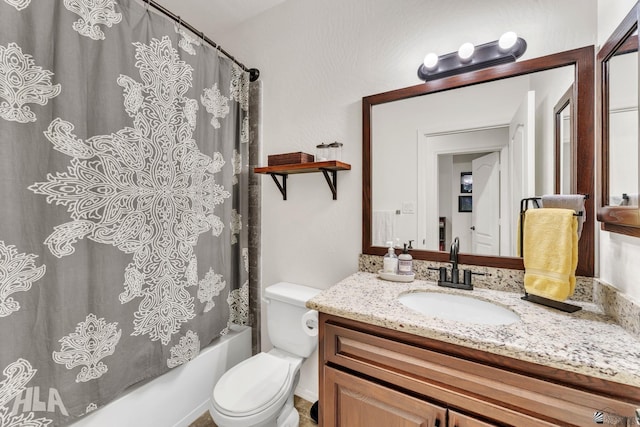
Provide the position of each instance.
(180, 396)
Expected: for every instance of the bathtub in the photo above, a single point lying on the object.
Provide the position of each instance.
(178, 397)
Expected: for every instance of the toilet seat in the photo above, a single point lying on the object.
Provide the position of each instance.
(252, 386)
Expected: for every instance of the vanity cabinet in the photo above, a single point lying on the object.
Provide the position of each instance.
(456, 419)
(376, 377)
(359, 402)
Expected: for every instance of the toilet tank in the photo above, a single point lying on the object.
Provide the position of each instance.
(285, 308)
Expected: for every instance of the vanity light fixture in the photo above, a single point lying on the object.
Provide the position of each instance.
(470, 58)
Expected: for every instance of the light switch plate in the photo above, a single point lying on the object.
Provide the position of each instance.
(408, 207)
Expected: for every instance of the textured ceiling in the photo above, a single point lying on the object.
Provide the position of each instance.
(215, 17)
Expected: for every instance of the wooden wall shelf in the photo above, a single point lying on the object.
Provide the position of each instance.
(329, 169)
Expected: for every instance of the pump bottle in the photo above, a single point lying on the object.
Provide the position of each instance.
(405, 261)
(390, 261)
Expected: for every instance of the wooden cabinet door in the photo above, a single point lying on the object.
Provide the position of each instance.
(457, 419)
(351, 401)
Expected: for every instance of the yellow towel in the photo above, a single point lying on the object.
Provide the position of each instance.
(550, 252)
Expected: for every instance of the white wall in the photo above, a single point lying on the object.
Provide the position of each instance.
(445, 198)
(317, 60)
(610, 14)
(549, 86)
(618, 254)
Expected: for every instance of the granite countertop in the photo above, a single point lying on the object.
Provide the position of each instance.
(586, 342)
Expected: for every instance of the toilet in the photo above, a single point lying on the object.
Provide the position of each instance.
(259, 391)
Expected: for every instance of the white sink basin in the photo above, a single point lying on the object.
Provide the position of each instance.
(458, 307)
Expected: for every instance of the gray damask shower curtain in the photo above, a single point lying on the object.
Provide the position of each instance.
(123, 187)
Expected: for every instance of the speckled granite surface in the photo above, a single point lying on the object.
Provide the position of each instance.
(501, 279)
(622, 308)
(588, 341)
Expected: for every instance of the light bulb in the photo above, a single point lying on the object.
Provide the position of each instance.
(507, 41)
(431, 61)
(466, 51)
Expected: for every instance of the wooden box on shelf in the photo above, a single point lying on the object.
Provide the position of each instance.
(289, 158)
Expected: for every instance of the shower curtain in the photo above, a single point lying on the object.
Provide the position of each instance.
(123, 188)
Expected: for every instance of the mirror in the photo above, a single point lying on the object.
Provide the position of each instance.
(618, 83)
(420, 142)
(498, 135)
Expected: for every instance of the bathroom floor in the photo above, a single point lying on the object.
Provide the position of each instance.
(302, 406)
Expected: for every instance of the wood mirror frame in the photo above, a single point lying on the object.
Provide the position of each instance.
(616, 219)
(583, 61)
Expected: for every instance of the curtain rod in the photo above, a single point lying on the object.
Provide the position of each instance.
(254, 73)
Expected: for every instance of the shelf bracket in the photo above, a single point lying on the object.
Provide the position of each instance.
(333, 181)
(282, 187)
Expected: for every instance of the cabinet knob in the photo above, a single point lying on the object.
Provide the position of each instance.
(473, 227)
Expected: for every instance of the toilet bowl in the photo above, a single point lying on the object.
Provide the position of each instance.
(255, 392)
(258, 392)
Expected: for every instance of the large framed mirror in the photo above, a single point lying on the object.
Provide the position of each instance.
(420, 142)
(617, 79)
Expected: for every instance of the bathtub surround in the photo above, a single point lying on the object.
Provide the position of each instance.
(123, 242)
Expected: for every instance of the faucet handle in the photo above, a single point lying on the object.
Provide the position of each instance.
(467, 277)
(443, 274)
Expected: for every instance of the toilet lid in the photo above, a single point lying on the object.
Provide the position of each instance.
(251, 385)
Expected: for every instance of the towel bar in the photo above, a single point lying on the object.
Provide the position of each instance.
(562, 306)
(535, 201)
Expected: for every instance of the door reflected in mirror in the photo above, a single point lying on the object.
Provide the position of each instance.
(565, 146)
(502, 131)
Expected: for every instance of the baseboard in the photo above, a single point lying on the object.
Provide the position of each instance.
(306, 394)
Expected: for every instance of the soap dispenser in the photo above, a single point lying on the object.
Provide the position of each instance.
(390, 262)
(405, 261)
